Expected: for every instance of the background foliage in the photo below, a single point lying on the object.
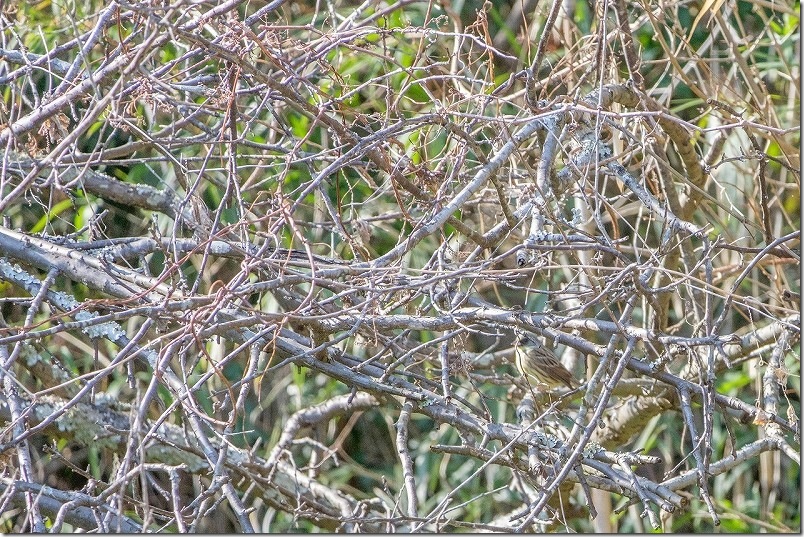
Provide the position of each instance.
(262, 263)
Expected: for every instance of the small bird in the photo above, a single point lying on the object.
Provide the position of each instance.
(537, 363)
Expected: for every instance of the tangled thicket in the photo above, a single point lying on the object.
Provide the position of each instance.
(262, 264)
